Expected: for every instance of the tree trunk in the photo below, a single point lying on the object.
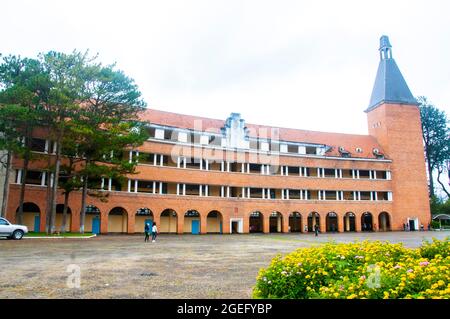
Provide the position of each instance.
(55, 185)
(6, 185)
(64, 217)
(430, 177)
(83, 204)
(440, 171)
(48, 195)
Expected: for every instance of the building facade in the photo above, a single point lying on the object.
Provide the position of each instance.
(199, 175)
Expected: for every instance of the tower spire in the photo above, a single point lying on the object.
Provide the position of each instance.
(390, 86)
(385, 48)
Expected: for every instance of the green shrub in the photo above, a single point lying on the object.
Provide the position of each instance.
(358, 270)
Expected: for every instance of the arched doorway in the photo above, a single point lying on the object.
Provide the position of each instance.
(313, 220)
(168, 221)
(256, 222)
(192, 222)
(59, 218)
(117, 220)
(31, 217)
(332, 222)
(349, 222)
(214, 222)
(384, 221)
(92, 219)
(143, 216)
(295, 222)
(275, 222)
(366, 221)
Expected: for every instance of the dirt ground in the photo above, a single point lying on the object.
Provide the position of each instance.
(176, 266)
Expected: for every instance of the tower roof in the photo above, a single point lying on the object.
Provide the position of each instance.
(390, 86)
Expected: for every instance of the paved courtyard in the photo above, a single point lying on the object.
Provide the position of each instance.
(187, 266)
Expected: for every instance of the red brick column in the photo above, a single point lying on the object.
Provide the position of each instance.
(266, 222)
(180, 222)
(323, 225)
(285, 223)
(104, 223)
(131, 222)
(226, 224)
(340, 222)
(203, 223)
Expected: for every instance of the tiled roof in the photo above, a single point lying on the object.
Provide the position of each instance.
(349, 141)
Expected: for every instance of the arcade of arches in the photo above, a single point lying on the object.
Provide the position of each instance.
(191, 221)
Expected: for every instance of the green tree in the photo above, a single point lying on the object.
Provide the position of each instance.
(24, 88)
(107, 124)
(436, 137)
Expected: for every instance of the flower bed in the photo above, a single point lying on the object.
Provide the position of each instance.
(372, 270)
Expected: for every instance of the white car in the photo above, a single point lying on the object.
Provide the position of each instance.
(12, 231)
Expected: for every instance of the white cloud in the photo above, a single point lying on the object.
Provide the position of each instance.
(301, 64)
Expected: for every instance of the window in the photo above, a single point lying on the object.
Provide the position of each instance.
(310, 150)
(283, 148)
(3, 222)
(159, 133)
(38, 145)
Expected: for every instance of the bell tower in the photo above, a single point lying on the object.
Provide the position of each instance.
(393, 118)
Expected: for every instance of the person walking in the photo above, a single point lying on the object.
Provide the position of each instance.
(147, 232)
(154, 232)
(316, 229)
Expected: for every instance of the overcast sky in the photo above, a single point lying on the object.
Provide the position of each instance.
(300, 64)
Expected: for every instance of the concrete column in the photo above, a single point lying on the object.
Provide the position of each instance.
(242, 168)
(243, 192)
(347, 222)
(44, 174)
(222, 166)
(206, 190)
(207, 165)
(110, 184)
(178, 162)
(160, 187)
(130, 156)
(282, 194)
(102, 186)
(248, 167)
(19, 176)
(129, 186)
(248, 192)
(228, 191)
(161, 163)
(184, 189)
(357, 173)
(154, 187)
(263, 193)
(287, 193)
(228, 166)
(155, 158)
(200, 190)
(135, 185)
(374, 174)
(178, 189)
(222, 191)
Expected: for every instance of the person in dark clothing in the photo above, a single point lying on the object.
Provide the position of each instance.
(147, 232)
(316, 229)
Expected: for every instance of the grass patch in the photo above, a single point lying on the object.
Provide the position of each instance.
(40, 234)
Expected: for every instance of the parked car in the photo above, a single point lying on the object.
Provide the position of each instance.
(11, 230)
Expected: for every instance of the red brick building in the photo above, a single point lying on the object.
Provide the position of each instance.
(201, 175)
